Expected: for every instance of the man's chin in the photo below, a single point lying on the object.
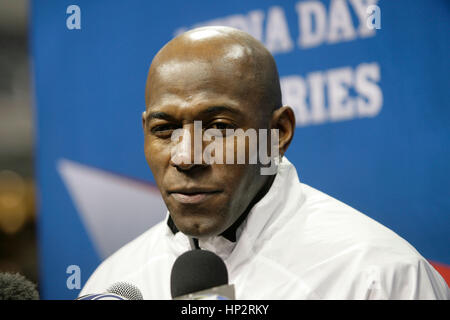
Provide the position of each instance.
(198, 228)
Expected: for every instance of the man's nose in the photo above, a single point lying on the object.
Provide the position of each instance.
(187, 147)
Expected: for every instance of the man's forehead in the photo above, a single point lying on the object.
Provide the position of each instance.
(196, 92)
(211, 53)
(183, 76)
(191, 73)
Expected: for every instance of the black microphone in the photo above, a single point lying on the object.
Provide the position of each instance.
(17, 287)
(200, 275)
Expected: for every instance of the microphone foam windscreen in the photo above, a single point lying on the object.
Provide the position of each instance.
(197, 270)
(17, 287)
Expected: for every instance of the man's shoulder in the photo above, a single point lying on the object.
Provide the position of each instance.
(335, 248)
(335, 221)
(127, 260)
(323, 230)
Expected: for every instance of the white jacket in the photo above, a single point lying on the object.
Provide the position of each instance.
(296, 243)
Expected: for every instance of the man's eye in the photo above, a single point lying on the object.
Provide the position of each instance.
(221, 126)
(163, 129)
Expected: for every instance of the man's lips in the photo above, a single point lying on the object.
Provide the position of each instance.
(192, 196)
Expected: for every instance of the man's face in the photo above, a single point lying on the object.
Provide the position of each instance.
(203, 200)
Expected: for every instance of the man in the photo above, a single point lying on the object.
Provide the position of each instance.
(279, 238)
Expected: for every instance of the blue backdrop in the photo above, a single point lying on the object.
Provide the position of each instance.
(372, 109)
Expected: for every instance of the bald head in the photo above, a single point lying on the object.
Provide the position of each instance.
(238, 61)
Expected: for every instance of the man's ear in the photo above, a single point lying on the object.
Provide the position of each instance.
(283, 119)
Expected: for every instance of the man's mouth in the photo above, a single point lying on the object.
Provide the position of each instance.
(192, 196)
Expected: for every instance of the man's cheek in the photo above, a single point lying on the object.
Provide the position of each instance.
(156, 151)
(155, 163)
(233, 177)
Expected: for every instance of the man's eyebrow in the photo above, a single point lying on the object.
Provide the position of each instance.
(160, 115)
(208, 111)
(220, 109)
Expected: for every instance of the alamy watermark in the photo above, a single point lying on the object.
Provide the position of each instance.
(74, 20)
(259, 149)
(74, 279)
(374, 17)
